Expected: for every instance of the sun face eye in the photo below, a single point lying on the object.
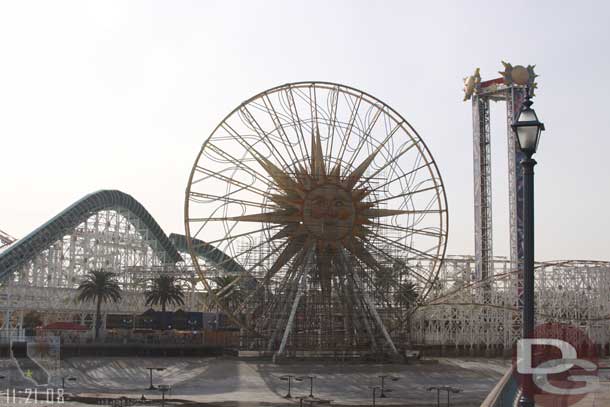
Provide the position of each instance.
(319, 202)
(339, 204)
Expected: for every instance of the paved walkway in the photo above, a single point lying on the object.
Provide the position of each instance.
(241, 382)
(601, 397)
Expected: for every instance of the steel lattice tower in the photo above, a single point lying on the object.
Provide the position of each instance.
(511, 88)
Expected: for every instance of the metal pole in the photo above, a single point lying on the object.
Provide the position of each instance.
(151, 385)
(382, 393)
(310, 386)
(374, 389)
(438, 397)
(527, 396)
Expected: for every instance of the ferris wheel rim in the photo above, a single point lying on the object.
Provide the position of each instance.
(421, 146)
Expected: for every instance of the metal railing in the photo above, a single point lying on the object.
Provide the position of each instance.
(506, 393)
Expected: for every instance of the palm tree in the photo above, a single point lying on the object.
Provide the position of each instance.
(406, 296)
(165, 291)
(31, 321)
(99, 286)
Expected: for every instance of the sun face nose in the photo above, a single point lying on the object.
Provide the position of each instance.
(331, 212)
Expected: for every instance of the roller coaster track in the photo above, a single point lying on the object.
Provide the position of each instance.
(5, 239)
(41, 238)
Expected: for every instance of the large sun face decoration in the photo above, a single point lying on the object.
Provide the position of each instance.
(519, 75)
(321, 209)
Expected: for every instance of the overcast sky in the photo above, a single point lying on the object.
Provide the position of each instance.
(121, 95)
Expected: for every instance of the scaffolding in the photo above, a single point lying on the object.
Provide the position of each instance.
(461, 316)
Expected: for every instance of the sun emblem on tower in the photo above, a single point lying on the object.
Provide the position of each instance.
(322, 210)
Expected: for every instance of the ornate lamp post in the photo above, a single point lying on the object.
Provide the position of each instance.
(528, 129)
(163, 388)
(375, 388)
(158, 369)
(288, 378)
(310, 377)
(383, 377)
(448, 389)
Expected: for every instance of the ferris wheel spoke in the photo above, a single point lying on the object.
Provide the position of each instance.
(239, 163)
(368, 279)
(350, 126)
(313, 106)
(260, 286)
(232, 181)
(294, 246)
(406, 194)
(265, 281)
(233, 237)
(296, 122)
(405, 247)
(422, 278)
(399, 178)
(264, 136)
(333, 98)
(229, 198)
(409, 231)
(393, 162)
(366, 137)
(262, 260)
(275, 117)
(241, 139)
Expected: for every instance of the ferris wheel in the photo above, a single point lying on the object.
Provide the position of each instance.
(333, 209)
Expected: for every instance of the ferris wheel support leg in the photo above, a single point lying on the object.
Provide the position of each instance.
(279, 323)
(295, 305)
(367, 326)
(377, 318)
(356, 302)
(370, 306)
(293, 312)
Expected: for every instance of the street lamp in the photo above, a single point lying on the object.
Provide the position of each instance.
(528, 129)
(310, 377)
(383, 377)
(289, 378)
(375, 388)
(448, 389)
(158, 369)
(163, 388)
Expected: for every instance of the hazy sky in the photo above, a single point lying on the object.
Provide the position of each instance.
(121, 95)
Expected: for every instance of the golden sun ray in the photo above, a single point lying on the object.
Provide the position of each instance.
(294, 246)
(283, 180)
(321, 210)
(281, 216)
(355, 176)
(317, 157)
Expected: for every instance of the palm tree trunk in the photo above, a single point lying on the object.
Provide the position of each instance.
(98, 318)
(163, 316)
